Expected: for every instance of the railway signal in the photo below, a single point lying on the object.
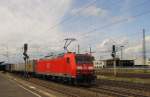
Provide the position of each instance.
(26, 57)
(113, 54)
(25, 52)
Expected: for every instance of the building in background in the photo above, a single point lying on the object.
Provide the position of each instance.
(119, 63)
(148, 62)
(99, 64)
(110, 63)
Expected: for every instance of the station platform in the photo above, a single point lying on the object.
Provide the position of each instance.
(11, 89)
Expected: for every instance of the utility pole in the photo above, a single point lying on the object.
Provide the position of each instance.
(90, 50)
(7, 53)
(78, 49)
(121, 52)
(144, 48)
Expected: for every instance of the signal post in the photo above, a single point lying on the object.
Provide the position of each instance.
(114, 59)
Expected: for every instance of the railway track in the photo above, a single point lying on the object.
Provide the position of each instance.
(126, 85)
(104, 89)
(94, 91)
(70, 91)
(118, 92)
(125, 74)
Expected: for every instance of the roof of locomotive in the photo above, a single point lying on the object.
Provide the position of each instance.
(64, 54)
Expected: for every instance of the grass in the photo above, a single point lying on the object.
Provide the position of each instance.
(132, 80)
(119, 70)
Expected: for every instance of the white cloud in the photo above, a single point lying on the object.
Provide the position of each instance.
(122, 18)
(89, 11)
(130, 50)
(29, 20)
(135, 51)
(147, 39)
(138, 47)
(106, 45)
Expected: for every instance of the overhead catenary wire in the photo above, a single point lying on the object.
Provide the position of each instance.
(120, 21)
(107, 25)
(69, 18)
(79, 18)
(61, 22)
(135, 6)
(116, 22)
(82, 8)
(126, 10)
(114, 3)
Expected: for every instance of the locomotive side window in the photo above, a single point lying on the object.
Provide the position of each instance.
(81, 59)
(68, 60)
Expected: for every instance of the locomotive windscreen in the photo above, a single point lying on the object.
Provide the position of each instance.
(84, 59)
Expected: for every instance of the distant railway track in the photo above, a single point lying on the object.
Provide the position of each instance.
(125, 72)
(127, 85)
(126, 75)
(104, 88)
(111, 92)
(118, 92)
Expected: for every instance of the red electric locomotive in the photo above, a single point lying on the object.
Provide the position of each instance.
(70, 67)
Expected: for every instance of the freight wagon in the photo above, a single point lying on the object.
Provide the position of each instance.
(21, 67)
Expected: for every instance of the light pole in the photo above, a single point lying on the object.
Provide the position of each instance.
(121, 47)
(78, 49)
(144, 48)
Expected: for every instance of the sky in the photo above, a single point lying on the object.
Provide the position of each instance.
(44, 24)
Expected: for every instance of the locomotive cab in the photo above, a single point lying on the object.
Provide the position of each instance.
(85, 68)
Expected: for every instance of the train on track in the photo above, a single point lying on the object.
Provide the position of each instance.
(68, 67)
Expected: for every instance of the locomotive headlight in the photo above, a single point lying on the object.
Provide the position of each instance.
(79, 67)
(90, 68)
